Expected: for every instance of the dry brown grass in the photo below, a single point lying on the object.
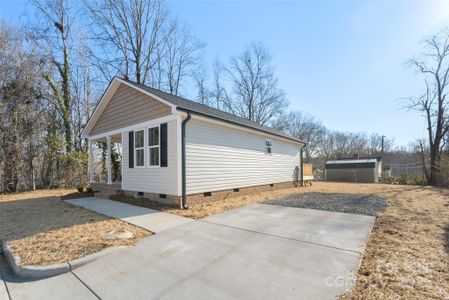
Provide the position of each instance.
(407, 255)
(36, 194)
(43, 230)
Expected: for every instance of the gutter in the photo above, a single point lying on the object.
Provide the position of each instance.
(183, 158)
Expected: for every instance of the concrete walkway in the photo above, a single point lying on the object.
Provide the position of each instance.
(254, 252)
(3, 292)
(150, 219)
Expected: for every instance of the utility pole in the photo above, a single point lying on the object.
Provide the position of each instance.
(382, 147)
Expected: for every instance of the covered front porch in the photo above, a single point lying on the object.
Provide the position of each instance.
(105, 161)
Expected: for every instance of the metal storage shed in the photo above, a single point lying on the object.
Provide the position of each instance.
(353, 170)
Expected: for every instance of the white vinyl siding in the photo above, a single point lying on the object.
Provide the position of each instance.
(220, 158)
(160, 180)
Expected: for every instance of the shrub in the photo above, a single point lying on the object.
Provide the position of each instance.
(403, 179)
(417, 180)
(80, 188)
(387, 179)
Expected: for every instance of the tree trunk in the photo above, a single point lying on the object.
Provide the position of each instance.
(12, 157)
(67, 115)
(423, 160)
(435, 157)
(33, 177)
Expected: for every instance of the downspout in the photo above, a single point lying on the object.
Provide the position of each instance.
(183, 157)
(302, 164)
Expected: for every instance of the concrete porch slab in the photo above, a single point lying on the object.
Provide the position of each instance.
(150, 219)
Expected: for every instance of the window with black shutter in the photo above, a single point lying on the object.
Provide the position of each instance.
(131, 150)
(164, 145)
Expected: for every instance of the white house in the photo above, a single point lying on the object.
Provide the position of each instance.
(176, 150)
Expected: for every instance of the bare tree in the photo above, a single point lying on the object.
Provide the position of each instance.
(20, 110)
(200, 77)
(434, 64)
(218, 93)
(336, 144)
(54, 34)
(130, 34)
(374, 144)
(181, 57)
(304, 127)
(423, 151)
(255, 92)
(87, 86)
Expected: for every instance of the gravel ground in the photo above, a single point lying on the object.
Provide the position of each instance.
(370, 205)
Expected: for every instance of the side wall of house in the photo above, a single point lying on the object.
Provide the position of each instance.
(220, 157)
(156, 180)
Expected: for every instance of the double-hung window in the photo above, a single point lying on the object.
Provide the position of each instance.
(153, 146)
(139, 148)
(268, 146)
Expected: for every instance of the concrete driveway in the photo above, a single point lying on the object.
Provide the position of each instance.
(256, 252)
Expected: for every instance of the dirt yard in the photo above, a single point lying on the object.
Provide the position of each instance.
(43, 230)
(407, 255)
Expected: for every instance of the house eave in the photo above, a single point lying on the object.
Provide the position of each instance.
(241, 125)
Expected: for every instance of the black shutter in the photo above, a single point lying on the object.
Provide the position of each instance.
(131, 149)
(164, 155)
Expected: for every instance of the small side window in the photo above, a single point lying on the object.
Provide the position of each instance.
(268, 145)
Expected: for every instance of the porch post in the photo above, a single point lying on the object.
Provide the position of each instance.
(91, 161)
(109, 164)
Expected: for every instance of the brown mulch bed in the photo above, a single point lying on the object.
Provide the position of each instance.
(43, 230)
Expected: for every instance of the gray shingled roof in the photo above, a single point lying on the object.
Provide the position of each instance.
(201, 109)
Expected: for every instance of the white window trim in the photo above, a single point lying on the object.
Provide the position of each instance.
(266, 147)
(150, 147)
(140, 148)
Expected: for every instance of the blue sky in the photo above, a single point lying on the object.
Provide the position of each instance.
(341, 61)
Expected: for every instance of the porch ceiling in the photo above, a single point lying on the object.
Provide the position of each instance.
(115, 138)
